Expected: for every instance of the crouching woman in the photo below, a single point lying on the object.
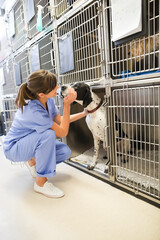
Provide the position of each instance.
(37, 123)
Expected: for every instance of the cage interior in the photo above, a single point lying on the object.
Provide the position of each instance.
(80, 140)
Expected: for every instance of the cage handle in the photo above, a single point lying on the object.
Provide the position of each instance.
(51, 53)
(99, 36)
(106, 142)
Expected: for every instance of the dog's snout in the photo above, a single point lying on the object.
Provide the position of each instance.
(63, 88)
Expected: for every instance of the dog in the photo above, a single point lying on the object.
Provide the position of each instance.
(138, 48)
(95, 119)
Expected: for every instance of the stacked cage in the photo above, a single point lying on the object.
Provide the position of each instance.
(133, 67)
(75, 41)
(81, 33)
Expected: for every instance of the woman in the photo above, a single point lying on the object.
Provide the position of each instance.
(37, 123)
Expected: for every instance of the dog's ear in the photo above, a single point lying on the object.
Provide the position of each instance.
(87, 98)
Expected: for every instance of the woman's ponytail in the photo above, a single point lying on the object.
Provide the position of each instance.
(23, 94)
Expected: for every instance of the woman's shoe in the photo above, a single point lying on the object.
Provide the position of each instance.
(49, 190)
(32, 169)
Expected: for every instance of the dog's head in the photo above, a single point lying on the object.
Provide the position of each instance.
(83, 93)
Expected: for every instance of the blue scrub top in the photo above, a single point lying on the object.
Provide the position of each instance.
(35, 117)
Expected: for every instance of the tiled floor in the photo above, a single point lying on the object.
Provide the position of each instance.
(90, 209)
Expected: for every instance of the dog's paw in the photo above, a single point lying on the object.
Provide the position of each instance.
(106, 170)
(90, 167)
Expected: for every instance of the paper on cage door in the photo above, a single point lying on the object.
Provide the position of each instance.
(2, 78)
(17, 70)
(66, 54)
(126, 18)
(11, 26)
(35, 59)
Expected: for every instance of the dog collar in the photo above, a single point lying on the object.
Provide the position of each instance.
(95, 109)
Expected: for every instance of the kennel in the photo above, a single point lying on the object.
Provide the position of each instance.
(138, 108)
(21, 67)
(9, 110)
(137, 170)
(81, 59)
(133, 56)
(42, 54)
(32, 20)
(79, 46)
(17, 27)
(80, 140)
(60, 7)
(9, 86)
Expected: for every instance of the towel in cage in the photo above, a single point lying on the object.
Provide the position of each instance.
(125, 74)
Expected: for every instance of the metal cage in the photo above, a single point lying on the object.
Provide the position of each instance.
(85, 30)
(46, 52)
(46, 17)
(138, 149)
(9, 86)
(23, 59)
(20, 36)
(139, 56)
(9, 110)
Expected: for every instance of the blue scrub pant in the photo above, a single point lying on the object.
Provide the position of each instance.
(44, 148)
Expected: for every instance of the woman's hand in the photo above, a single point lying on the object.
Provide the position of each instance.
(71, 97)
(85, 112)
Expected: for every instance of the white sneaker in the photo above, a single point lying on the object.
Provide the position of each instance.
(32, 169)
(49, 190)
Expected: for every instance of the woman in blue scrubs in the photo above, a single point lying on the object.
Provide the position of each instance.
(37, 123)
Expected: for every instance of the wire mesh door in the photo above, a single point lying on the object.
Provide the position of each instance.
(20, 36)
(140, 55)
(46, 53)
(9, 86)
(137, 138)
(86, 50)
(23, 60)
(9, 110)
(46, 17)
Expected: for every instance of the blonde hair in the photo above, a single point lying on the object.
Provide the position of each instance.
(41, 81)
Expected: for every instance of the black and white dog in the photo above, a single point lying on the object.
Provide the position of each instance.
(96, 119)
